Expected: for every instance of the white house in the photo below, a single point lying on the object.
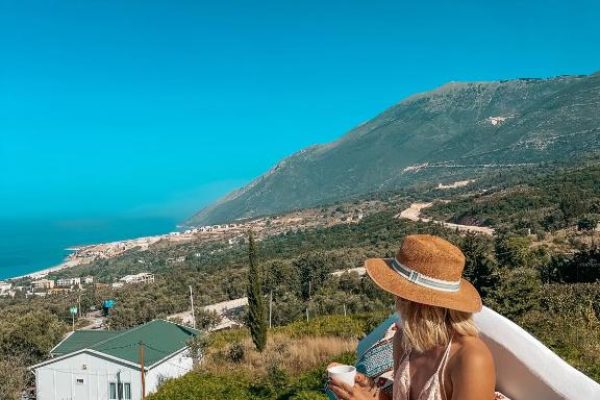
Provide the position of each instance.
(42, 284)
(68, 282)
(143, 277)
(106, 365)
(5, 288)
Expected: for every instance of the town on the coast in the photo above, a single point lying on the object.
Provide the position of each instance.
(39, 284)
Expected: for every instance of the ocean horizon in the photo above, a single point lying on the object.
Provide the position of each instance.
(27, 246)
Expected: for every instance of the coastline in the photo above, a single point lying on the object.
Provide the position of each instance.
(88, 253)
(229, 232)
(44, 272)
(36, 247)
(85, 254)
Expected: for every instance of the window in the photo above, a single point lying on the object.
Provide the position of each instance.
(119, 391)
(127, 391)
(112, 391)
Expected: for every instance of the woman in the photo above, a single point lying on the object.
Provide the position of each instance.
(437, 353)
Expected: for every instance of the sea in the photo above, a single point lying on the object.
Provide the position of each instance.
(28, 246)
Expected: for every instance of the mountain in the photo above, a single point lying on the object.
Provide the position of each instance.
(459, 129)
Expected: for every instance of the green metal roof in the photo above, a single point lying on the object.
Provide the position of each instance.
(81, 340)
(160, 338)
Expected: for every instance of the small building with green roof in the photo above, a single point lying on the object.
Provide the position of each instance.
(107, 365)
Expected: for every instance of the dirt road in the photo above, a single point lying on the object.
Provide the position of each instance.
(413, 213)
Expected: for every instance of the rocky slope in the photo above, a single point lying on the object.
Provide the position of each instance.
(456, 130)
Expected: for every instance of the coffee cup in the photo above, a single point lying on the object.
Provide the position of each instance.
(342, 373)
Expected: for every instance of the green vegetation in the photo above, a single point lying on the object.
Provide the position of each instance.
(539, 202)
(256, 308)
(547, 282)
(291, 367)
(446, 134)
(26, 337)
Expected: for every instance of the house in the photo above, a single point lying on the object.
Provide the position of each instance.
(42, 284)
(87, 280)
(57, 290)
(143, 277)
(68, 282)
(5, 288)
(92, 364)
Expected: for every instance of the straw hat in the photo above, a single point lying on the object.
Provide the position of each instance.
(427, 269)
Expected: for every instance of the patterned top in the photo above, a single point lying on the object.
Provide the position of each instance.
(433, 388)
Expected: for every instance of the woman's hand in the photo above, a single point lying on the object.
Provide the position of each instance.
(364, 388)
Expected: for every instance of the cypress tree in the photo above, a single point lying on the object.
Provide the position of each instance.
(256, 312)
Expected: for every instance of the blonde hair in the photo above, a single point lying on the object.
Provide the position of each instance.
(425, 327)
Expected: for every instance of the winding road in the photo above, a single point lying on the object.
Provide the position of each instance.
(413, 213)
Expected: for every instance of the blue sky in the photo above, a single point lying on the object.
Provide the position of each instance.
(158, 107)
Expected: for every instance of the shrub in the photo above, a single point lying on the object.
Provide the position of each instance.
(236, 353)
(515, 292)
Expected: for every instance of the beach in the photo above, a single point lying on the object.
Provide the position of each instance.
(36, 247)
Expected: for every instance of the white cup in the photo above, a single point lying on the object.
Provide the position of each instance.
(342, 373)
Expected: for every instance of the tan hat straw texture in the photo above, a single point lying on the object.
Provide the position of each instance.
(432, 257)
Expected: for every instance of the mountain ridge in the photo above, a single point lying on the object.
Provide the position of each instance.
(429, 135)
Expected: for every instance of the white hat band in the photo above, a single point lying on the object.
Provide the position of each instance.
(424, 280)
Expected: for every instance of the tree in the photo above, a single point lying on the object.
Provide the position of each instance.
(30, 336)
(515, 292)
(206, 319)
(584, 266)
(570, 203)
(198, 346)
(313, 270)
(587, 223)
(479, 263)
(256, 309)
(12, 378)
(513, 251)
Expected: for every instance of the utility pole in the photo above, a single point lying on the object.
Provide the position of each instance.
(308, 301)
(142, 370)
(271, 310)
(79, 305)
(192, 302)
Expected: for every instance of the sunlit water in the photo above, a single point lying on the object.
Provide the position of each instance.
(32, 245)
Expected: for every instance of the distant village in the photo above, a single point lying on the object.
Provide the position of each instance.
(38, 284)
(43, 287)
(85, 362)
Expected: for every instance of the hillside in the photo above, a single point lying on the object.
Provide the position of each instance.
(541, 269)
(457, 130)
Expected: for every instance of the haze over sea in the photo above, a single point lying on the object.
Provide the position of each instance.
(31, 245)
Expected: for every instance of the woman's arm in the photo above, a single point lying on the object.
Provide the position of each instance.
(473, 374)
(364, 385)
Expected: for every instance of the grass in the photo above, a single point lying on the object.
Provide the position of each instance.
(292, 367)
(292, 355)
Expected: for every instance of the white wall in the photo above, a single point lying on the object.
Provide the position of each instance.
(174, 367)
(58, 380)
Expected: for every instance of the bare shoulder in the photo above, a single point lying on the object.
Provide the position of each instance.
(473, 355)
(472, 362)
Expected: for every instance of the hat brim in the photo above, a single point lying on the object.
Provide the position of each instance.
(466, 299)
